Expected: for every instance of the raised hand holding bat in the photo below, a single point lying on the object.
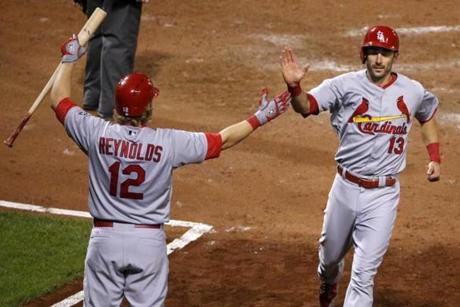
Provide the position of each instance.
(83, 36)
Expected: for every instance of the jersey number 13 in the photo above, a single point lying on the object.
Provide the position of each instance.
(396, 145)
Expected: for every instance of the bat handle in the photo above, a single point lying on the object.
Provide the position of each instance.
(10, 140)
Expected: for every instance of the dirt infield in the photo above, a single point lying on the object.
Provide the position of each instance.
(265, 197)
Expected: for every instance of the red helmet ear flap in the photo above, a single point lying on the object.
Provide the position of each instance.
(133, 94)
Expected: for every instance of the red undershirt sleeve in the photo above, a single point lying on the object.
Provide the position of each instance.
(63, 107)
(214, 145)
(314, 109)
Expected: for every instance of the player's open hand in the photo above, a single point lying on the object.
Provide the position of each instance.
(270, 109)
(71, 50)
(290, 68)
(433, 171)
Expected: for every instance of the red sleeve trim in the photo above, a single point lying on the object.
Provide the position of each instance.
(254, 122)
(425, 121)
(214, 145)
(434, 152)
(313, 105)
(63, 107)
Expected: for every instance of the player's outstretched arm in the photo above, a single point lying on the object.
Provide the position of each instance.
(431, 140)
(267, 111)
(293, 73)
(234, 134)
(71, 51)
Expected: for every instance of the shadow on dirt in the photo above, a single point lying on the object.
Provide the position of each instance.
(150, 62)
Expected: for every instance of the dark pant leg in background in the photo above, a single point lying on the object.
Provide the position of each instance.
(115, 50)
(92, 86)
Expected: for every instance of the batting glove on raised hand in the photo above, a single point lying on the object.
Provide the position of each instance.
(71, 50)
(269, 110)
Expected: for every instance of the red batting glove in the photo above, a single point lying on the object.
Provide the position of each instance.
(71, 50)
(269, 110)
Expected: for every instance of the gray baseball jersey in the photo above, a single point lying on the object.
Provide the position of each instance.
(372, 122)
(130, 168)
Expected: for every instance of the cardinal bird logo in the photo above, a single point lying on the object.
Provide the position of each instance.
(359, 115)
(360, 110)
(403, 107)
(380, 124)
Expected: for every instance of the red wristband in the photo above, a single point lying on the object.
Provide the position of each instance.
(433, 152)
(254, 122)
(295, 91)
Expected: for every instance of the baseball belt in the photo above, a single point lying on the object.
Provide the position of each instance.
(106, 223)
(364, 182)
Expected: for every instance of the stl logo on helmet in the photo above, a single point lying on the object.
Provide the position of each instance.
(125, 110)
(381, 37)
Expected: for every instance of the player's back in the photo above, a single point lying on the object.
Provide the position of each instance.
(130, 168)
(130, 174)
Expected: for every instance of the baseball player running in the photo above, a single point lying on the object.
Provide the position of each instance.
(130, 181)
(372, 111)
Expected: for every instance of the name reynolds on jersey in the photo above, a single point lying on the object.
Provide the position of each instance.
(130, 150)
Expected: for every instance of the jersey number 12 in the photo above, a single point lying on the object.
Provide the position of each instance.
(124, 186)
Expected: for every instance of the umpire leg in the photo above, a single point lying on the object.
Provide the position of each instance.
(119, 41)
(92, 86)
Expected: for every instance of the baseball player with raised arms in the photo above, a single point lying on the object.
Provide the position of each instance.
(372, 111)
(130, 181)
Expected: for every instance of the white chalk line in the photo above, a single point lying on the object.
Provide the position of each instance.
(196, 230)
(279, 40)
(410, 30)
(331, 65)
(450, 119)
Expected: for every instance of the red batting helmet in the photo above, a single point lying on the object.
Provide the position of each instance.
(133, 94)
(380, 36)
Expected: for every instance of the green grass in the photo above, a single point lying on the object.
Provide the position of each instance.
(39, 253)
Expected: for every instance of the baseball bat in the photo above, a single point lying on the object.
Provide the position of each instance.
(84, 35)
